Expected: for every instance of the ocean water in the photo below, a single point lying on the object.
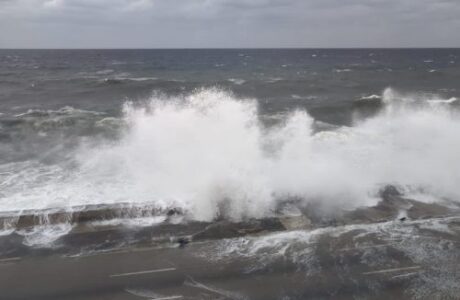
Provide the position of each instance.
(227, 133)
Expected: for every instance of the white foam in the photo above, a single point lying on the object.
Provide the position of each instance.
(209, 150)
(139, 78)
(371, 97)
(448, 101)
(126, 78)
(66, 110)
(299, 97)
(131, 222)
(5, 232)
(295, 246)
(342, 70)
(237, 81)
(437, 225)
(44, 235)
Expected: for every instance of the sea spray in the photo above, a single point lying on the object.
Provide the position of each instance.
(209, 154)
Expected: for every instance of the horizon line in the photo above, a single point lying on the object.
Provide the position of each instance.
(234, 48)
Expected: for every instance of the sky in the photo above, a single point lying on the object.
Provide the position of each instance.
(228, 23)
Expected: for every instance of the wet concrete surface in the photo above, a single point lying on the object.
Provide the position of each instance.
(400, 249)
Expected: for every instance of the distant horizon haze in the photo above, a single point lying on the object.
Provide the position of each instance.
(152, 24)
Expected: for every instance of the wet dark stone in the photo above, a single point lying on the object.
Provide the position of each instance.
(183, 241)
(389, 191)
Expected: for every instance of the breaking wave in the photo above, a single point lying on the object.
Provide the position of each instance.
(209, 154)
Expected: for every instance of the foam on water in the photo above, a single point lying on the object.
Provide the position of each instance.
(371, 97)
(373, 244)
(209, 154)
(237, 81)
(131, 222)
(295, 246)
(44, 235)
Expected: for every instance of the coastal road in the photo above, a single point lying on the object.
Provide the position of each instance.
(373, 261)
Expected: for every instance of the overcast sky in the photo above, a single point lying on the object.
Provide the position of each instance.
(228, 23)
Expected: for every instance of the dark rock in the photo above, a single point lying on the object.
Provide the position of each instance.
(389, 192)
(183, 241)
(174, 212)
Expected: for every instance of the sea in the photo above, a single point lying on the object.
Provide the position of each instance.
(226, 133)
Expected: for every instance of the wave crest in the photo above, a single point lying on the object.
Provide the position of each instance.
(209, 154)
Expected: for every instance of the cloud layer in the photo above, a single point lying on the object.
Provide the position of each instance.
(228, 23)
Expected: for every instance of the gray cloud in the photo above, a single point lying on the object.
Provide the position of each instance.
(229, 23)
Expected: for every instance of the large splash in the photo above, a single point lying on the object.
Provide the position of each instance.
(209, 154)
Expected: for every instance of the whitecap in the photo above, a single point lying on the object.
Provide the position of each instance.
(124, 78)
(371, 97)
(208, 149)
(342, 70)
(445, 101)
(237, 81)
(300, 97)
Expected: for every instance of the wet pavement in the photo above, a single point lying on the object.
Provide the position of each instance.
(399, 249)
